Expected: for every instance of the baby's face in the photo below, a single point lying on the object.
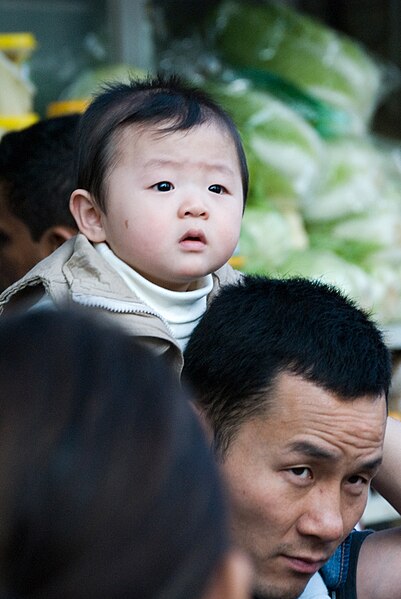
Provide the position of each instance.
(174, 203)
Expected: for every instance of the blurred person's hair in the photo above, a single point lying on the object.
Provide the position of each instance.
(37, 173)
(107, 487)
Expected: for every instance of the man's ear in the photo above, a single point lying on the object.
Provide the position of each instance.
(55, 236)
(88, 215)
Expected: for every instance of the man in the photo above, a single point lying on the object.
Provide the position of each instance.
(36, 181)
(293, 380)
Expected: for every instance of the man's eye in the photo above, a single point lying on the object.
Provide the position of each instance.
(163, 186)
(217, 188)
(302, 472)
(358, 480)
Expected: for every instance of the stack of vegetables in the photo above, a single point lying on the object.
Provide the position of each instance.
(325, 197)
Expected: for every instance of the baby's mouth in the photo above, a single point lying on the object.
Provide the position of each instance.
(194, 235)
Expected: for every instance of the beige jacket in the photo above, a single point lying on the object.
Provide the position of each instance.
(75, 274)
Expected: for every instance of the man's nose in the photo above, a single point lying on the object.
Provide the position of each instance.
(323, 515)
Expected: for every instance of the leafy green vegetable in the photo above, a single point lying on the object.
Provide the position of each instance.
(269, 237)
(272, 37)
(326, 266)
(327, 120)
(283, 150)
(353, 181)
(324, 236)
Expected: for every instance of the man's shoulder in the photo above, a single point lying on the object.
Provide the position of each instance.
(340, 571)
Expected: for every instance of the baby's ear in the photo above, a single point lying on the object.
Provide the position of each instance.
(88, 215)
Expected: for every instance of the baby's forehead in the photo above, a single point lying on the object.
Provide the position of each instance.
(207, 146)
(131, 132)
(166, 127)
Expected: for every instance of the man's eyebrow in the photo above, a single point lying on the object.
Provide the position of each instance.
(371, 464)
(314, 451)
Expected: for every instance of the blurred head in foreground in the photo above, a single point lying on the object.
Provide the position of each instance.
(107, 487)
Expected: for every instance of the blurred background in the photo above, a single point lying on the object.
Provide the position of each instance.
(77, 34)
(315, 89)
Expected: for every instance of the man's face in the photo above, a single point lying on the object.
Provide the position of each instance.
(18, 251)
(299, 478)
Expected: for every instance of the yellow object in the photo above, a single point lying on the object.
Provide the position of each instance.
(9, 122)
(78, 95)
(395, 414)
(237, 261)
(16, 89)
(66, 107)
(17, 46)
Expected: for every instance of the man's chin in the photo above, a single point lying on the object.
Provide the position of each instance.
(283, 589)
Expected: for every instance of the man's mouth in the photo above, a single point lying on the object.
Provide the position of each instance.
(304, 565)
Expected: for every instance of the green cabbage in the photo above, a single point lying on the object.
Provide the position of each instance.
(351, 279)
(269, 237)
(271, 37)
(384, 266)
(284, 152)
(353, 181)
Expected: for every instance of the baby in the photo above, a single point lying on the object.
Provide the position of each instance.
(162, 181)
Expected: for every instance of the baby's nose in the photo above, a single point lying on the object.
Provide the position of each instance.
(195, 208)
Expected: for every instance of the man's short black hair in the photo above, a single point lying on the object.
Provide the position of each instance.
(261, 327)
(37, 173)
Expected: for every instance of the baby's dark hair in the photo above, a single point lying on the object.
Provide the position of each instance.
(147, 101)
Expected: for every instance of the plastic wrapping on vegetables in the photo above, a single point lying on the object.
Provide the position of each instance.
(284, 152)
(328, 76)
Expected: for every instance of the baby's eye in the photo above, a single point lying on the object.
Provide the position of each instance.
(163, 186)
(216, 188)
(301, 472)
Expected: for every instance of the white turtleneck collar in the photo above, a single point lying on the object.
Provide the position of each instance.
(181, 309)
